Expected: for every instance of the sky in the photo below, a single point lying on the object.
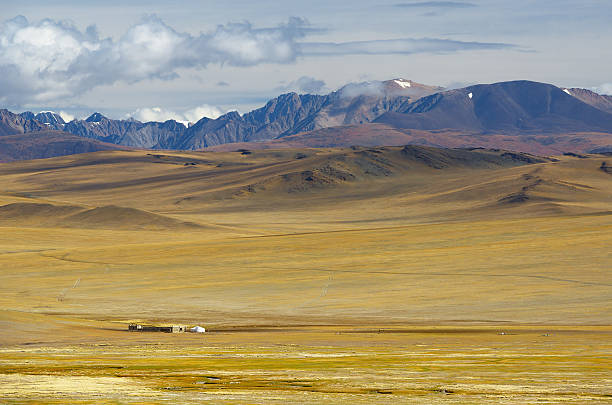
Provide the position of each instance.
(184, 59)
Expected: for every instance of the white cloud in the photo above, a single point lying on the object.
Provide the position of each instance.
(436, 4)
(372, 88)
(401, 46)
(51, 60)
(154, 114)
(605, 88)
(66, 116)
(160, 114)
(305, 84)
(458, 85)
(205, 110)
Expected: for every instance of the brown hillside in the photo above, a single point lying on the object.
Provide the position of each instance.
(46, 144)
(382, 134)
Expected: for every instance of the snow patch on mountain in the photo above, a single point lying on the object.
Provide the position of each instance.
(403, 83)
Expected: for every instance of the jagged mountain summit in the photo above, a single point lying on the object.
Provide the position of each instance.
(287, 114)
(50, 119)
(34, 136)
(292, 113)
(520, 115)
(133, 133)
(11, 124)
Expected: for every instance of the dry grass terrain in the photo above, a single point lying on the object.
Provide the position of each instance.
(385, 275)
(373, 134)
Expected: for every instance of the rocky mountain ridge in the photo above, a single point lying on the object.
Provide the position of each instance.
(512, 109)
(284, 115)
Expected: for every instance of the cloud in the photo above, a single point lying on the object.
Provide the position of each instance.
(305, 84)
(605, 88)
(371, 88)
(67, 117)
(160, 115)
(397, 46)
(54, 61)
(459, 85)
(51, 60)
(205, 110)
(436, 4)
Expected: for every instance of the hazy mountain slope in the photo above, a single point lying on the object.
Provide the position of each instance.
(45, 144)
(508, 107)
(600, 101)
(333, 137)
(376, 134)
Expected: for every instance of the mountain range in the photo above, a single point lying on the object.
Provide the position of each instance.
(520, 115)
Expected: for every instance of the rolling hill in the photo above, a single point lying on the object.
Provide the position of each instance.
(38, 215)
(241, 236)
(193, 187)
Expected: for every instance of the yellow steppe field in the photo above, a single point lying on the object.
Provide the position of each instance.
(381, 275)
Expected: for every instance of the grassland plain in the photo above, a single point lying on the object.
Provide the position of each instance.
(385, 275)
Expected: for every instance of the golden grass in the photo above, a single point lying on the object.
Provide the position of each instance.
(379, 290)
(532, 270)
(320, 365)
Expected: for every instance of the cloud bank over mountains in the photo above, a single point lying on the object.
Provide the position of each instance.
(160, 114)
(436, 4)
(305, 84)
(52, 60)
(402, 46)
(605, 88)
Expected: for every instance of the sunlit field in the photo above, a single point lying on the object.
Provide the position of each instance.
(344, 275)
